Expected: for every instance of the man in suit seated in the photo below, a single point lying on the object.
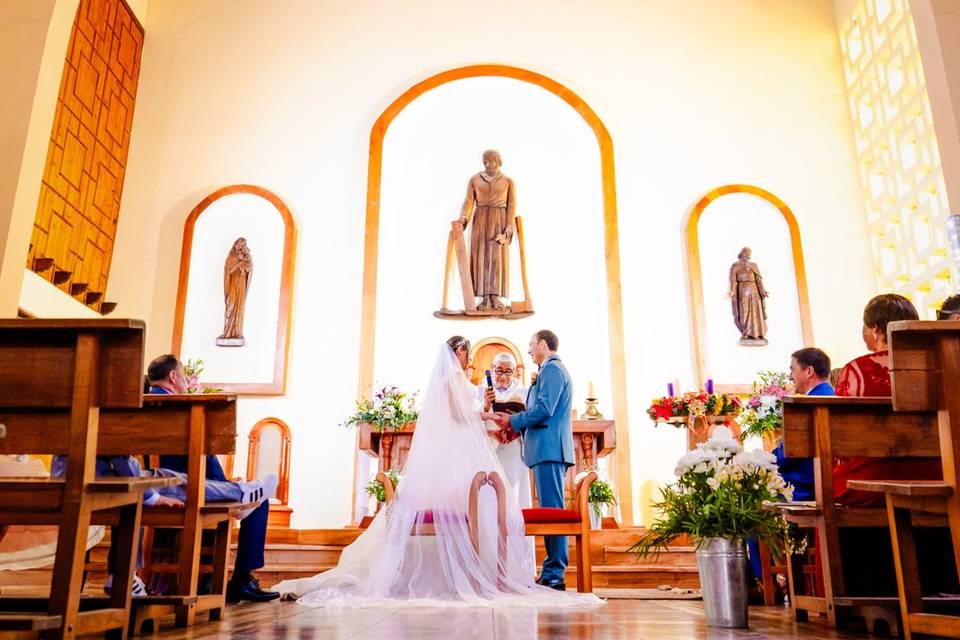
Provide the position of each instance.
(165, 376)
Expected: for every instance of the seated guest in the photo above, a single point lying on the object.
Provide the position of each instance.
(129, 466)
(950, 309)
(809, 371)
(869, 376)
(866, 552)
(165, 375)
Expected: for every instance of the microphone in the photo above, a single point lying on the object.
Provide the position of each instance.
(489, 379)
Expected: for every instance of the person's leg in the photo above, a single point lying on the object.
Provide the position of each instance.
(549, 477)
(250, 544)
(251, 541)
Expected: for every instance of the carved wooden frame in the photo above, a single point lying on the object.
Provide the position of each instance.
(253, 448)
(697, 312)
(624, 481)
(278, 385)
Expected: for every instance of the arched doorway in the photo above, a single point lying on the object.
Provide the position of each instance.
(611, 245)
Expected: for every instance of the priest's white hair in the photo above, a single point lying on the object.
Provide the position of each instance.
(505, 357)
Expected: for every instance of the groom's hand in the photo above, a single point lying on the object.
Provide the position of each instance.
(502, 420)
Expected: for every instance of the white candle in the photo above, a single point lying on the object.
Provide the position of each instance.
(590, 390)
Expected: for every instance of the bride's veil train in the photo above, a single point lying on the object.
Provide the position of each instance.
(391, 565)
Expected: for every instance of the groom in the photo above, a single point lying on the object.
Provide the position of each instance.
(547, 431)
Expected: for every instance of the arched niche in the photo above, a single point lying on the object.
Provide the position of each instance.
(623, 480)
(259, 366)
(701, 346)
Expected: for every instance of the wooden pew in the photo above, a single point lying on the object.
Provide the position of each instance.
(78, 371)
(191, 425)
(825, 428)
(195, 426)
(925, 372)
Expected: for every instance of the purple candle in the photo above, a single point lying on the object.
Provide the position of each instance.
(670, 389)
(709, 385)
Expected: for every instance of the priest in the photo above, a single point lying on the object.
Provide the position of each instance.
(507, 388)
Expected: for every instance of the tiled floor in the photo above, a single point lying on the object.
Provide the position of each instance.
(627, 619)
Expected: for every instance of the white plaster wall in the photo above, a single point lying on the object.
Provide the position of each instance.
(283, 94)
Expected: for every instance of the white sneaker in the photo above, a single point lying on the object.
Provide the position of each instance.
(138, 588)
(257, 491)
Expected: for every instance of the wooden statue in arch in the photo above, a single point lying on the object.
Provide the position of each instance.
(483, 353)
(484, 267)
(269, 452)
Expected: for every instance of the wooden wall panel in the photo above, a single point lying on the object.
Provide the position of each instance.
(79, 200)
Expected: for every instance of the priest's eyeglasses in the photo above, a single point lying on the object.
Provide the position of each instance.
(500, 371)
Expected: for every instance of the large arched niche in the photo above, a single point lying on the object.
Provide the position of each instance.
(610, 238)
(698, 302)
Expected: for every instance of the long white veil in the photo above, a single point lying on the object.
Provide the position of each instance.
(391, 564)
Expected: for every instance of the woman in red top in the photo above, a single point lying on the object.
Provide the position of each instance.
(869, 376)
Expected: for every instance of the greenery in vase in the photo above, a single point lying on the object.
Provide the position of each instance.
(191, 371)
(764, 410)
(601, 493)
(720, 493)
(375, 488)
(390, 408)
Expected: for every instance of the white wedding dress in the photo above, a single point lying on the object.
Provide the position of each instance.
(389, 565)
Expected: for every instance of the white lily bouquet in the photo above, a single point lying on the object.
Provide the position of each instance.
(720, 493)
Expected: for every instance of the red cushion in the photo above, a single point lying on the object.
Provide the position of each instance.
(549, 515)
(428, 516)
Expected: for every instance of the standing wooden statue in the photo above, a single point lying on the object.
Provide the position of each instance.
(491, 205)
(236, 282)
(749, 300)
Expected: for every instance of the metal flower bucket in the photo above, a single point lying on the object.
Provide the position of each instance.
(723, 581)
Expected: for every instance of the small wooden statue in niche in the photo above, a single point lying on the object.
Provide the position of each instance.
(236, 282)
(749, 300)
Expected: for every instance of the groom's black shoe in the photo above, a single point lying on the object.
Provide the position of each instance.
(558, 584)
(248, 589)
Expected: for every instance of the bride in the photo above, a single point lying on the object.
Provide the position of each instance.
(391, 565)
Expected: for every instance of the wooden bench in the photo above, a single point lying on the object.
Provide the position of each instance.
(826, 428)
(925, 372)
(58, 381)
(191, 425)
(195, 426)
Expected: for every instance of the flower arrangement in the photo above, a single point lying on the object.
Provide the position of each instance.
(694, 405)
(720, 493)
(191, 371)
(763, 415)
(390, 408)
(375, 488)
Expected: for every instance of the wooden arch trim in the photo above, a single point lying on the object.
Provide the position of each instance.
(278, 385)
(611, 242)
(253, 450)
(697, 312)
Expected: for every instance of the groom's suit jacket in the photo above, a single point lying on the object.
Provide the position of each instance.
(546, 425)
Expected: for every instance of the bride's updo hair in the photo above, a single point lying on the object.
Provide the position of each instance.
(458, 342)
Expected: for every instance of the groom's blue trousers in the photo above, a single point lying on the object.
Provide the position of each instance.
(549, 477)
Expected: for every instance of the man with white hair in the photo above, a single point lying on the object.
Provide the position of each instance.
(507, 388)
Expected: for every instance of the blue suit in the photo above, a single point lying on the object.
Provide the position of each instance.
(795, 471)
(253, 528)
(547, 430)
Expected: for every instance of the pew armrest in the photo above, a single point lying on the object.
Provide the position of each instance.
(931, 488)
